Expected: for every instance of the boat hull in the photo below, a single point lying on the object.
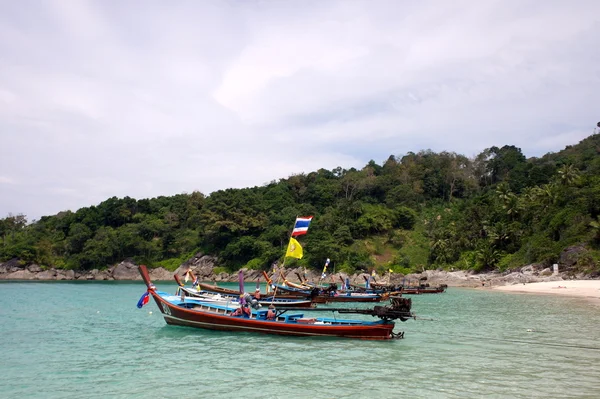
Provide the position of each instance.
(176, 315)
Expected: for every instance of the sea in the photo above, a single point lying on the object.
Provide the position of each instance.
(89, 340)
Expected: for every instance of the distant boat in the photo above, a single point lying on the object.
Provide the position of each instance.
(195, 313)
(329, 294)
(280, 294)
(412, 289)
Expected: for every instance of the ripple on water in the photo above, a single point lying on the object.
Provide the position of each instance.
(89, 340)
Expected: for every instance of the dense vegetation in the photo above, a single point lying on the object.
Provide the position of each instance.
(421, 210)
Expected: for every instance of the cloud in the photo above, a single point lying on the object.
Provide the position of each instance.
(99, 99)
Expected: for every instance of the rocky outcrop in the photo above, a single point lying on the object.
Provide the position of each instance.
(126, 270)
(203, 266)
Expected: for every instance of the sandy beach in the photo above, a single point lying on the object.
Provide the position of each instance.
(589, 289)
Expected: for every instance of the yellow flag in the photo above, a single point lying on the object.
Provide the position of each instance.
(294, 250)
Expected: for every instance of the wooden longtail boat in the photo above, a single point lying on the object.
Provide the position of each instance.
(280, 293)
(194, 313)
(424, 290)
(328, 295)
(411, 289)
(235, 298)
(341, 297)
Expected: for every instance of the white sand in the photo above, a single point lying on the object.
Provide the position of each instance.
(589, 289)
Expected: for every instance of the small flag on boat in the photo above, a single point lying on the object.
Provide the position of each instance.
(325, 269)
(143, 300)
(301, 226)
(294, 250)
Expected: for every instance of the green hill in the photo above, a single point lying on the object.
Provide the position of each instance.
(418, 211)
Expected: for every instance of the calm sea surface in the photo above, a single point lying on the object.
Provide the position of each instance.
(88, 340)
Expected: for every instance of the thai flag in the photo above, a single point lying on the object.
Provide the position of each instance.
(143, 300)
(301, 226)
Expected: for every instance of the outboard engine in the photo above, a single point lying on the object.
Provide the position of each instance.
(247, 298)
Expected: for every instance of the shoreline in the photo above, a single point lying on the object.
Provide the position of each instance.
(585, 289)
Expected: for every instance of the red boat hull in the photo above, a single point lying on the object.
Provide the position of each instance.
(176, 315)
(201, 317)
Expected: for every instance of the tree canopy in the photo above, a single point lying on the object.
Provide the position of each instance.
(415, 211)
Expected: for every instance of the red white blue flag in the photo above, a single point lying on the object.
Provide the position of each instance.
(301, 226)
(143, 300)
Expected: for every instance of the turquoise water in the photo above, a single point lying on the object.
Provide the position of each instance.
(88, 340)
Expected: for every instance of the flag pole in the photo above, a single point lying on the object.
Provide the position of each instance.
(283, 263)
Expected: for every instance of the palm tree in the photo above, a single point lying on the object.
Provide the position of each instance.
(568, 175)
(487, 255)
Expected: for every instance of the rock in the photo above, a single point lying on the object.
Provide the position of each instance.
(158, 274)
(47, 275)
(529, 269)
(21, 275)
(201, 265)
(126, 270)
(33, 268)
(61, 275)
(570, 256)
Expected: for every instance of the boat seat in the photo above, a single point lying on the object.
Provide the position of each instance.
(293, 317)
(261, 315)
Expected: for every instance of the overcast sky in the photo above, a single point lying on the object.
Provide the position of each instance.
(148, 98)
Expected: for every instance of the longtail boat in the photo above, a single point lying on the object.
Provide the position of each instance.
(193, 313)
(280, 293)
(334, 296)
(327, 295)
(424, 290)
(235, 298)
(412, 289)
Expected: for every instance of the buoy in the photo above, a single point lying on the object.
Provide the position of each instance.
(530, 330)
(150, 312)
(98, 312)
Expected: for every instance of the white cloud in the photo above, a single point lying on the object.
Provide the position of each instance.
(102, 99)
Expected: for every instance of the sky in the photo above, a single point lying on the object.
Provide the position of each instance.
(149, 98)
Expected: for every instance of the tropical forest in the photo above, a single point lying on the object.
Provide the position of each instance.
(409, 213)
